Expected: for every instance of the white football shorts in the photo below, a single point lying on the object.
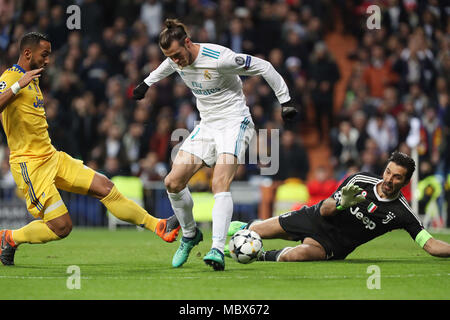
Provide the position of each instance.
(208, 140)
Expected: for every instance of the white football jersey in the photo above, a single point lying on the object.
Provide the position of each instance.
(214, 80)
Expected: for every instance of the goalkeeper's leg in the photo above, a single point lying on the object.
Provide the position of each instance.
(270, 229)
(309, 250)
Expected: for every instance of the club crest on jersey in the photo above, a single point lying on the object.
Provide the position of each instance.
(388, 218)
(207, 75)
(2, 85)
(372, 207)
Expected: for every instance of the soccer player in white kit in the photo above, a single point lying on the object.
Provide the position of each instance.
(220, 139)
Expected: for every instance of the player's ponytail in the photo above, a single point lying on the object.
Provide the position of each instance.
(174, 30)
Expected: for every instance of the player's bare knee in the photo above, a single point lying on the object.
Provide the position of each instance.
(107, 186)
(101, 186)
(220, 184)
(173, 185)
(62, 230)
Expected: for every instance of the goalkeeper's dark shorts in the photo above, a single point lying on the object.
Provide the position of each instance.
(308, 223)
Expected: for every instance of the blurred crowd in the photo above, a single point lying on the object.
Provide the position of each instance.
(398, 93)
(397, 96)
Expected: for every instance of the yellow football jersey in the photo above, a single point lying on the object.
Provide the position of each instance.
(24, 120)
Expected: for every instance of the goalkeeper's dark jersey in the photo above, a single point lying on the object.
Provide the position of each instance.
(368, 219)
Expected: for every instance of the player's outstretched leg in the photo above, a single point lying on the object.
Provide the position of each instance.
(36, 231)
(167, 229)
(127, 210)
(215, 259)
(273, 255)
(186, 245)
(7, 248)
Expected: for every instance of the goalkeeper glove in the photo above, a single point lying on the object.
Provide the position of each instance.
(140, 90)
(288, 111)
(348, 196)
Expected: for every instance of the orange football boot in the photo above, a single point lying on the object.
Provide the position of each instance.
(167, 229)
(7, 248)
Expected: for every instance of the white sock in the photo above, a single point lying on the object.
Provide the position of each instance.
(182, 205)
(221, 217)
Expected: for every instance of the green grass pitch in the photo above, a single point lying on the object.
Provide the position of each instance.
(128, 264)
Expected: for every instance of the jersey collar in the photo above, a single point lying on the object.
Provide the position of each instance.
(19, 67)
(383, 199)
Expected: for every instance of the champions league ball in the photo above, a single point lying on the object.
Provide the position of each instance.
(245, 246)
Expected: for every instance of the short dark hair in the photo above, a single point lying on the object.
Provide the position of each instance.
(404, 161)
(174, 30)
(31, 39)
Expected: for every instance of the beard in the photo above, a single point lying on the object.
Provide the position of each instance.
(388, 189)
(34, 64)
(190, 58)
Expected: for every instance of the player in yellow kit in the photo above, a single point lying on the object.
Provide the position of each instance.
(39, 170)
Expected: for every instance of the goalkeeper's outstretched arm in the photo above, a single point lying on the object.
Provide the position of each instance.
(328, 208)
(437, 248)
(348, 196)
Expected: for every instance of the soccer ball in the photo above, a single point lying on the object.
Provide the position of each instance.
(245, 246)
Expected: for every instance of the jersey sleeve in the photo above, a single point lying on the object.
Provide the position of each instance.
(7, 80)
(411, 223)
(247, 65)
(162, 71)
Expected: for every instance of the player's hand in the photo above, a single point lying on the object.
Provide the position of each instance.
(140, 90)
(350, 196)
(288, 111)
(29, 76)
